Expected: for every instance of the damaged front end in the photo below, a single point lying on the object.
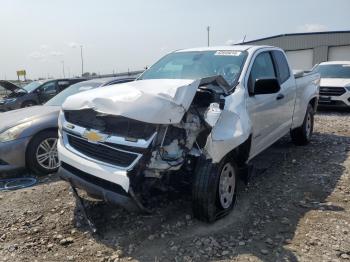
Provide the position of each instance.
(107, 149)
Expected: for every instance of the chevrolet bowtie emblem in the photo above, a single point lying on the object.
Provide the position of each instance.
(93, 136)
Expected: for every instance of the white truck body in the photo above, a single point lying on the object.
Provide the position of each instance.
(260, 119)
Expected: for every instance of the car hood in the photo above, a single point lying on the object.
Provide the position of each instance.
(335, 82)
(10, 86)
(16, 117)
(158, 101)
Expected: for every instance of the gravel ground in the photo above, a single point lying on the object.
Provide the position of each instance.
(295, 208)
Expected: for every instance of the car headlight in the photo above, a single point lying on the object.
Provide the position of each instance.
(60, 122)
(9, 100)
(13, 132)
(348, 87)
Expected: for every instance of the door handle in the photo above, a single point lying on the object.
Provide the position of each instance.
(280, 96)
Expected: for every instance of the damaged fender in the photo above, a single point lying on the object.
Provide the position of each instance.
(231, 130)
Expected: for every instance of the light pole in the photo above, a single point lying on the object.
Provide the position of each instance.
(82, 60)
(208, 29)
(64, 75)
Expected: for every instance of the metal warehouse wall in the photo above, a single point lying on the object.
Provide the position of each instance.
(320, 42)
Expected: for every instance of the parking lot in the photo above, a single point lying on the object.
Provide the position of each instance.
(295, 208)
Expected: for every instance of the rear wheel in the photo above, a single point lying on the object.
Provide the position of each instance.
(42, 157)
(302, 135)
(214, 189)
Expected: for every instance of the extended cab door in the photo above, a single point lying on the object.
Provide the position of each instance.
(264, 109)
(287, 94)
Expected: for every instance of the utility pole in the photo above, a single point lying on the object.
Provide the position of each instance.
(208, 29)
(64, 75)
(82, 60)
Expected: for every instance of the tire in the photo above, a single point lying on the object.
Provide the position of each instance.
(302, 135)
(208, 202)
(37, 149)
(28, 104)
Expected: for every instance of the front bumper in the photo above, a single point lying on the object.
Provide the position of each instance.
(98, 170)
(108, 183)
(8, 106)
(336, 101)
(103, 189)
(13, 154)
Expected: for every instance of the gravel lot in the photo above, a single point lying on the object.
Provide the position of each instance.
(295, 208)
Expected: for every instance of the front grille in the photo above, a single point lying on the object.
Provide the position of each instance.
(331, 91)
(109, 124)
(101, 152)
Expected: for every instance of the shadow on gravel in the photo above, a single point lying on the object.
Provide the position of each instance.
(288, 182)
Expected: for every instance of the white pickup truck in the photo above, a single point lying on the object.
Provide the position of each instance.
(197, 115)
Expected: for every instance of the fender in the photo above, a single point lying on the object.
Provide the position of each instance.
(232, 129)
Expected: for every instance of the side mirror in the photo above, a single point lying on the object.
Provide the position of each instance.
(266, 86)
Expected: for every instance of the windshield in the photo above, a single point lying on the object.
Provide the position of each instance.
(334, 71)
(73, 89)
(32, 86)
(197, 65)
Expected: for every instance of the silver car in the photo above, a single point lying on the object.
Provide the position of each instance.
(28, 136)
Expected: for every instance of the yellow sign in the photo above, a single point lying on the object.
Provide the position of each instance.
(93, 136)
(21, 73)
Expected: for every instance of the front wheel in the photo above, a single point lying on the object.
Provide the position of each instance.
(214, 189)
(42, 157)
(302, 135)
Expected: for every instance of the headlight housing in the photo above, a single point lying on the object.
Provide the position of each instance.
(13, 132)
(348, 87)
(9, 100)
(60, 122)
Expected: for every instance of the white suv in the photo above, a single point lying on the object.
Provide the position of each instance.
(335, 83)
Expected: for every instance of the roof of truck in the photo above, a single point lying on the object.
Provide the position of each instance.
(218, 48)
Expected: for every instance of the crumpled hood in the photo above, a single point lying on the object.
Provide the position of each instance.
(335, 82)
(16, 117)
(158, 101)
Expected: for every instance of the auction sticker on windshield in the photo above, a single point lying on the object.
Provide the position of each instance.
(228, 53)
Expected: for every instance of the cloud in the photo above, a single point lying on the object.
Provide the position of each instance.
(56, 53)
(73, 44)
(37, 55)
(44, 47)
(307, 28)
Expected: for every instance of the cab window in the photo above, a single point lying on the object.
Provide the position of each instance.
(262, 68)
(282, 66)
(49, 88)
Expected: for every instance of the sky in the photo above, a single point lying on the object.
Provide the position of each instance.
(44, 36)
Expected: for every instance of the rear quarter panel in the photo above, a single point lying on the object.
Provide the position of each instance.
(307, 89)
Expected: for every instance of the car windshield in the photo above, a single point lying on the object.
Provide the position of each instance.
(73, 89)
(32, 86)
(197, 65)
(334, 71)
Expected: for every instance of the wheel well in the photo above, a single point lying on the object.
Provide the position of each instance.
(30, 141)
(241, 153)
(313, 103)
(27, 101)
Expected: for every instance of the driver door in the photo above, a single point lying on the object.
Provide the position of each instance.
(47, 91)
(264, 109)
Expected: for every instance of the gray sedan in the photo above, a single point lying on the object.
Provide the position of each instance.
(28, 136)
